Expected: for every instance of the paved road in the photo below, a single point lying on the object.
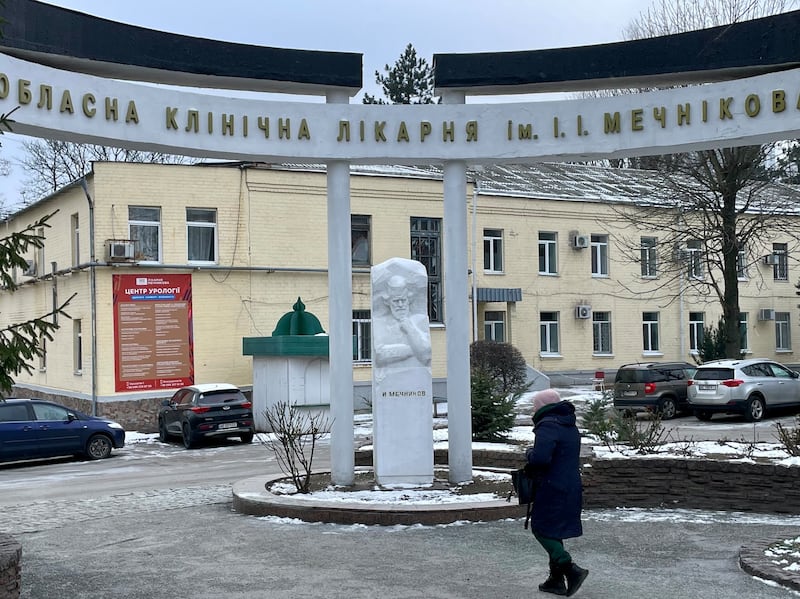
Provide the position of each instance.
(156, 522)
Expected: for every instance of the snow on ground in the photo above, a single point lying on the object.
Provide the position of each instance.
(785, 555)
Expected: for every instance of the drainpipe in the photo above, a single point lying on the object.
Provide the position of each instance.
(92, 292)
(475, 190)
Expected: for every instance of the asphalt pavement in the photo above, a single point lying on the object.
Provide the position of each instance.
(188, 543)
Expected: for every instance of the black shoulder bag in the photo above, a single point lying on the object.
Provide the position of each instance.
(525, 489)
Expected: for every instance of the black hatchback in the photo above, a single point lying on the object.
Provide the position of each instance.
(213, 410)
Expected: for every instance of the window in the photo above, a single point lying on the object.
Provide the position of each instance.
(39, 260)
(362, 336)
(780, 271)
(144, 227)
(493, 250)
(360, 240)
(650, 341)
(648, 257)
(696, 325)
(426, 248)
(548, 332)
(547, 253)
(741, 263)
(43, 355)
(745, 343)
(77, 346)
(201, 234)
(783, 340)
(599, 255)
(494, 326)
(601, 332)
(75, 236)
(50, 412)
(694, 259)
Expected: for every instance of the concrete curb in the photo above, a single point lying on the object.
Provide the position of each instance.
(754, 561)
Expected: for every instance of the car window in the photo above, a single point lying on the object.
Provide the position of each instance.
(629, 375)
(180, 396)
(713, 374)
(219, 397)
(757, 370)
(13, 413)
(676, 374)
(779, 371)
(46, 411)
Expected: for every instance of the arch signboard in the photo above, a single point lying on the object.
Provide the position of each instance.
(70, 76)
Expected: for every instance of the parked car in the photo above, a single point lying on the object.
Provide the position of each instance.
(206, 411)
(653, 386)
(748, 387)
(34, 428)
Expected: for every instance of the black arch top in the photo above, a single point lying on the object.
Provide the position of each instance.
(76, 41)
(731, 51)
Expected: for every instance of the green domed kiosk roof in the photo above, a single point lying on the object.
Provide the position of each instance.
(298, 333)
(298, 322)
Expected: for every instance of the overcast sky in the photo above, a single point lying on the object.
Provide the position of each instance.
(378, 29)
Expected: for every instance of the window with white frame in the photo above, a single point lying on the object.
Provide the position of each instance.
(743, 336)
(650, 335)
(75, 237)
(741, 263)
(649, 257)
(360, 225)
(144, 227)
(696, 327)
(547, 253)
(694, 260)
(599, 255)
(783, 339)
(494, 326)
(201, 234)
(39, 260)
(492, 250)
(601, 332)
(548, 332)
(780, 270)
(77, 346)
(362, 336)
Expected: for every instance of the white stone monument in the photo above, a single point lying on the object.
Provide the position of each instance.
(401, 380)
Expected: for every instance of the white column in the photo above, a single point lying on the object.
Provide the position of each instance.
(457, 315)
(340, 318)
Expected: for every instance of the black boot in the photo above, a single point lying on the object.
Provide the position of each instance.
(555, 582)
(575, 576)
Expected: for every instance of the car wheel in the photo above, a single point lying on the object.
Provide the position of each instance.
(702, 415)
(667, 409)
(755, 409)
(188, 441)
(98, 447)
(247, 438)
(163, 435)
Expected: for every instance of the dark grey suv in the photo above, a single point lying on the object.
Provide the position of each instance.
(653, 386)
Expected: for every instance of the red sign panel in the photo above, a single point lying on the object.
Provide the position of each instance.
(153, 342)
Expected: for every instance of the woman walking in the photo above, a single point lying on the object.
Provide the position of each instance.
(554, 461)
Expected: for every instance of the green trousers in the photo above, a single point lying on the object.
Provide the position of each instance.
(555, 550)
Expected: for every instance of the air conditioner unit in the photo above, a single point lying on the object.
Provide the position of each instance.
(581, 241)
(770, 259)
(583, 311)
(119, 250)
(30, 271)
(766, 314)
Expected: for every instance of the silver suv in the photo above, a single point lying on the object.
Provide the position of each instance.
(747, 387)
(653, 386)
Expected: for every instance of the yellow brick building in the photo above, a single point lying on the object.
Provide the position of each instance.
(546, 247)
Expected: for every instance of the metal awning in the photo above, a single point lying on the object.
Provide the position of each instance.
(498, 294)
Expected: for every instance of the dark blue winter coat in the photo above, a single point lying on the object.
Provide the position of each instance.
(555, 461)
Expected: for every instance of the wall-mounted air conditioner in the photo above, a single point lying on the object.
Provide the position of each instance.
(770, 259)
(580, 242)
(766, 314)
(119, 250)
(583, 311)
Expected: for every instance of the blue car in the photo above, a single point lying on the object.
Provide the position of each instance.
(34, 428)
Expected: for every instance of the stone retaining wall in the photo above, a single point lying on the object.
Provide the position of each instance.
(10, 558)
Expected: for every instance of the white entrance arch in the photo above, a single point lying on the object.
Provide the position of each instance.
(60, 98)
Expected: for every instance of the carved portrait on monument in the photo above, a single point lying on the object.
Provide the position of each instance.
(400, 327)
